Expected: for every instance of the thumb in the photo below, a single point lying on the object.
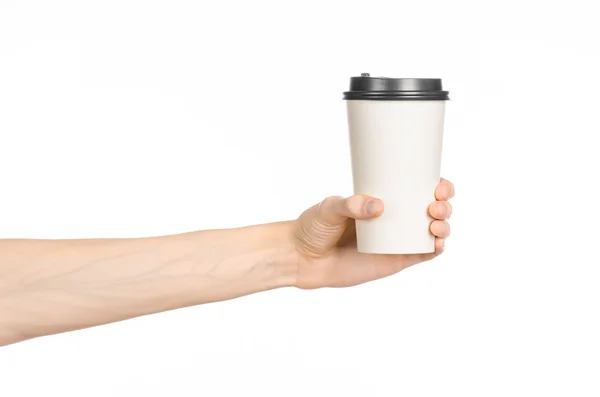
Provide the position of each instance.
(335, 210)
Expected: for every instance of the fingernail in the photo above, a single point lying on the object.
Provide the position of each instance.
(373, 207)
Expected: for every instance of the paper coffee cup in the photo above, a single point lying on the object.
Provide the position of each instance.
(396, 129)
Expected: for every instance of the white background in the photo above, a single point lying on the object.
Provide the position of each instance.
(137, 118)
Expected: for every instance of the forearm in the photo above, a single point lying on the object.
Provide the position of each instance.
(52, 286)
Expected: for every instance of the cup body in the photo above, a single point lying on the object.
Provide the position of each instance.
(396, 150)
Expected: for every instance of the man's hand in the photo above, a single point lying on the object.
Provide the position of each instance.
(325, 238)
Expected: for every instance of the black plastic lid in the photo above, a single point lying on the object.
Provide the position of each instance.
(393, 89)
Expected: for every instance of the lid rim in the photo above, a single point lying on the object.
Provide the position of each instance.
(440, 95)
(388, 88)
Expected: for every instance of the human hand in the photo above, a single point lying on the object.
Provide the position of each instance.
(325, 239)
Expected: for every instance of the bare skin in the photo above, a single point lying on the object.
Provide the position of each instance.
(54, 286)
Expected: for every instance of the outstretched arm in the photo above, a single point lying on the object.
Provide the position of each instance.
(52, 286)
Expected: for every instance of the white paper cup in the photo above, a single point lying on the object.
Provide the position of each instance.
(396, 130)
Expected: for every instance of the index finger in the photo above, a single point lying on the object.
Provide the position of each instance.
(444, 190)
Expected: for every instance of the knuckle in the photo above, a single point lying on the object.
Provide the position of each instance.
(353, 204)
(438, 209)
(448, 209)
(329, 202)
(350, 204)
(441, 229)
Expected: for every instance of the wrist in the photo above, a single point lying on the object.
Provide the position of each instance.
(256, 258)
(281, 257)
